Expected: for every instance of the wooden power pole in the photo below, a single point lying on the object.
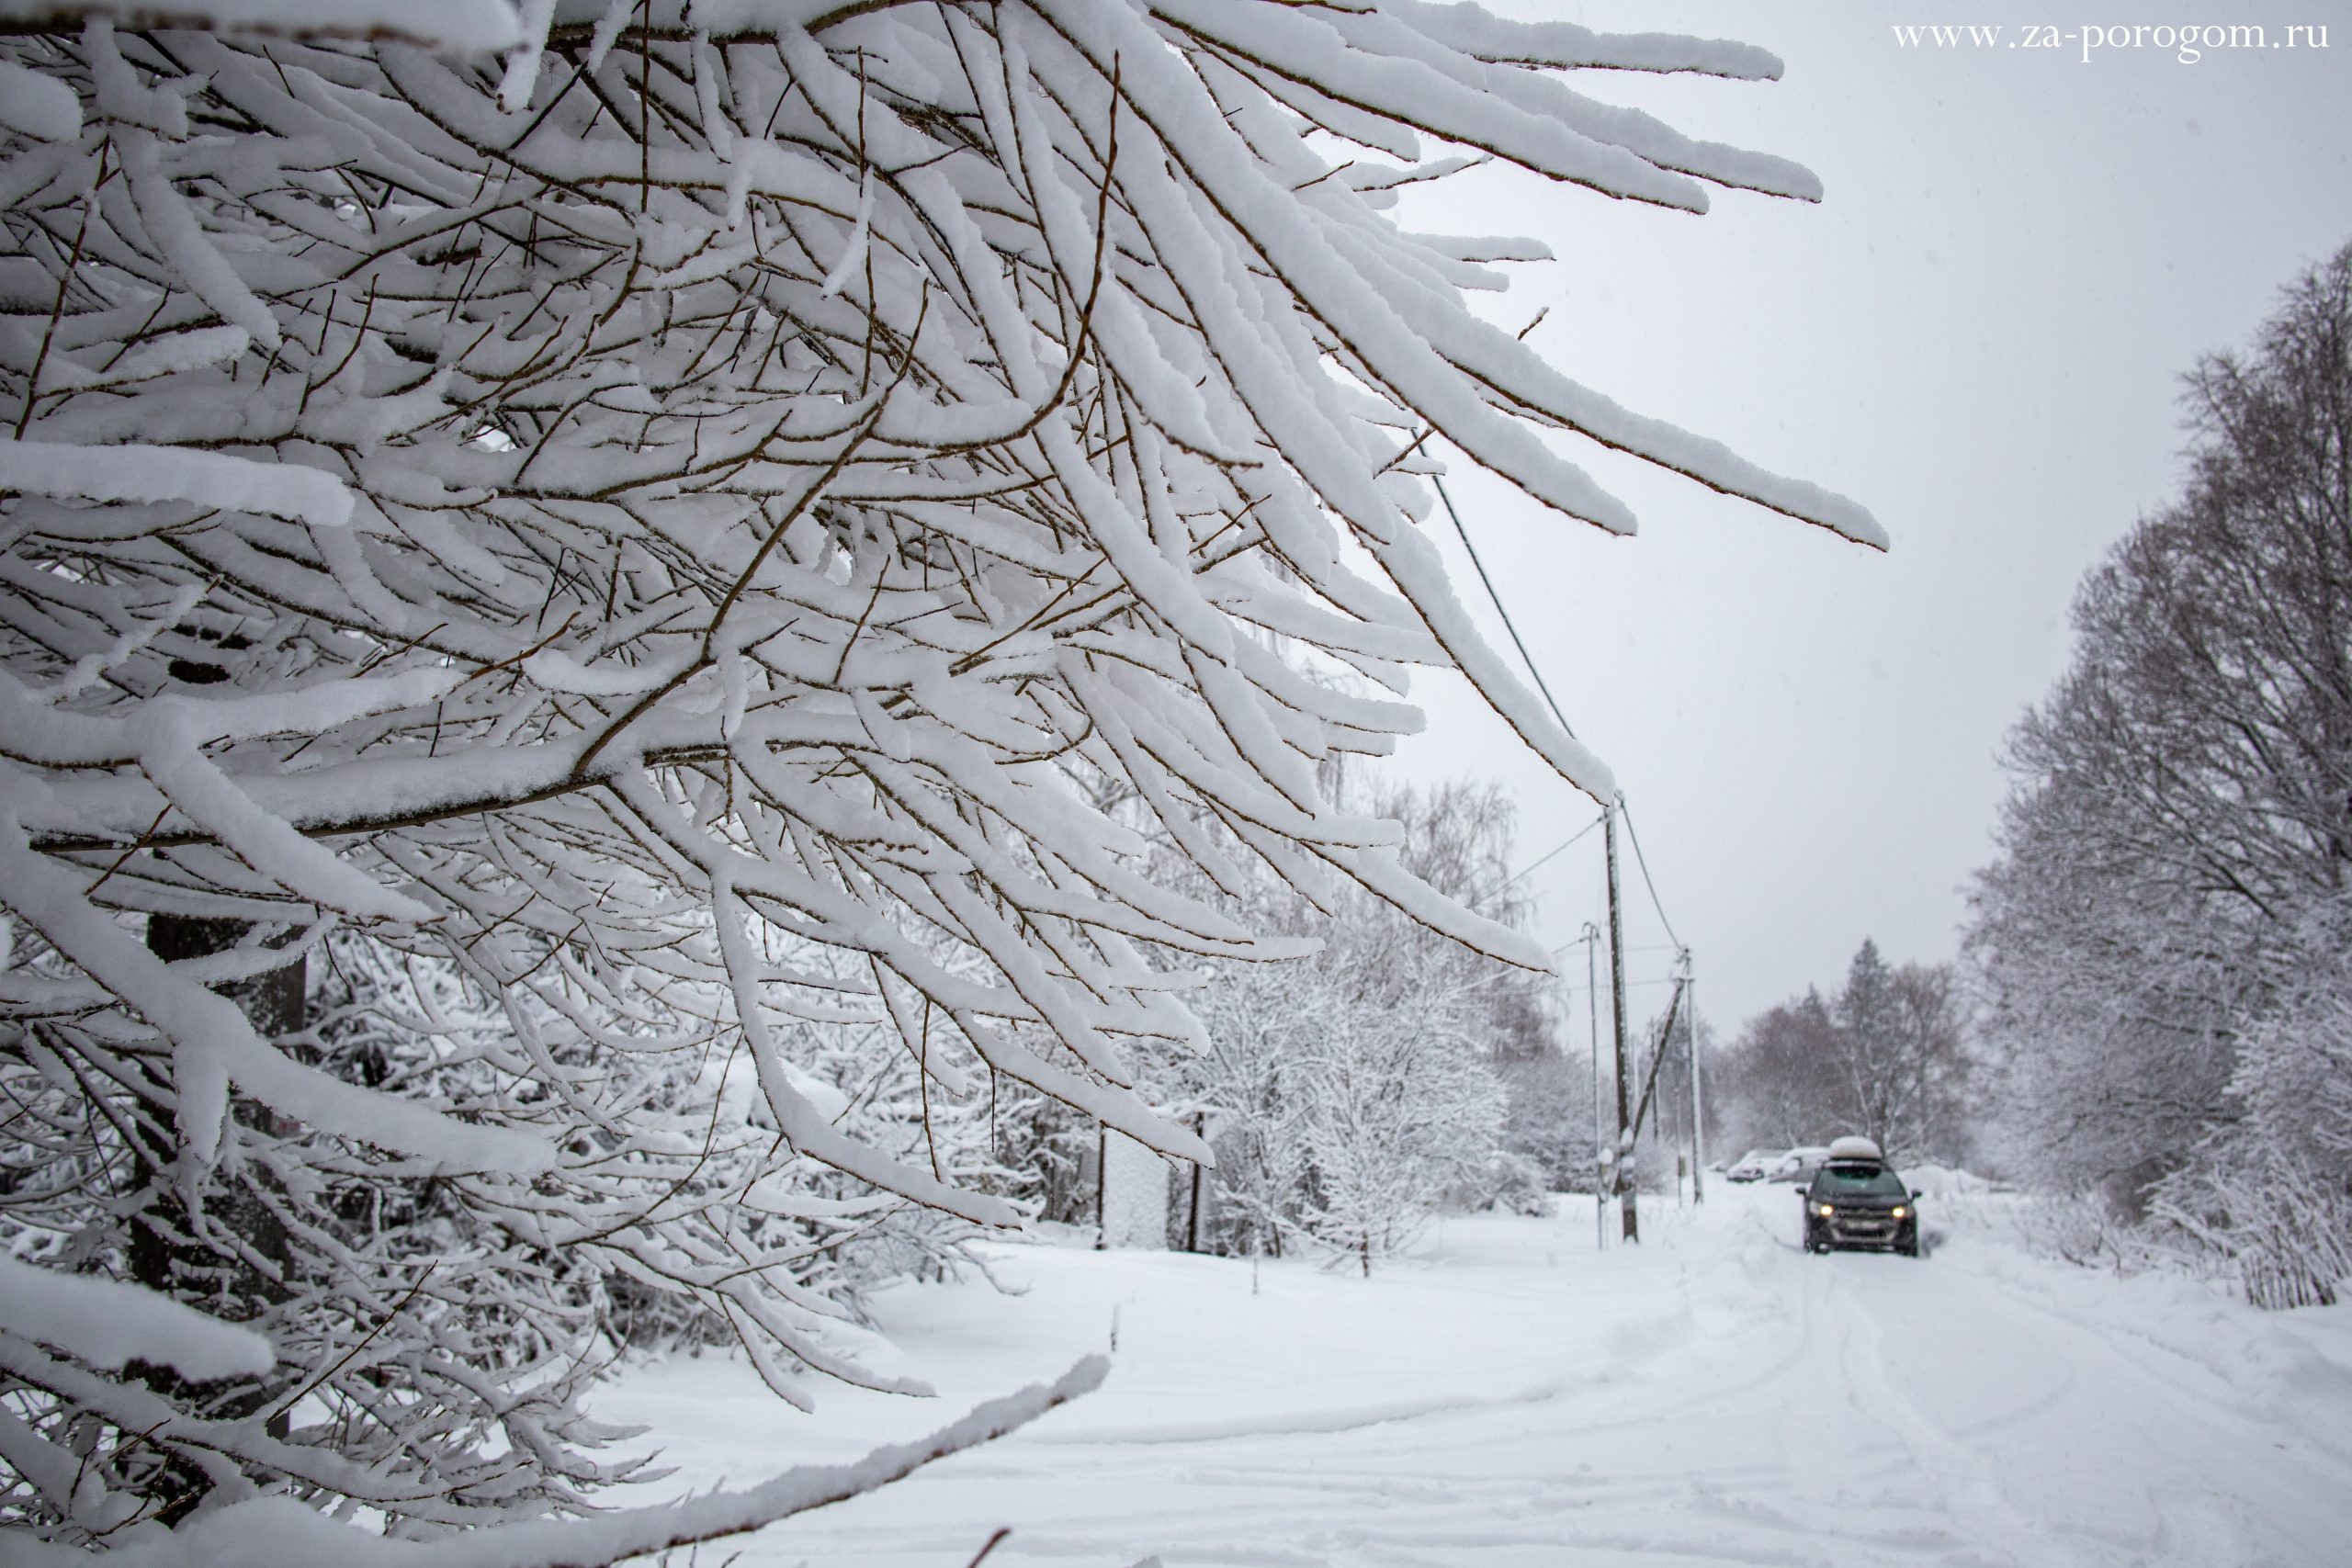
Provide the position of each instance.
(1626, 1196)
(1592, 1044)
(1698, 1104)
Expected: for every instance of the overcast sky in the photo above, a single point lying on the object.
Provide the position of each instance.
(1978, 334)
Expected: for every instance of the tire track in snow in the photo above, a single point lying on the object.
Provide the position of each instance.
(1971, 1490)
(2040, 1404)
(1757, 1260)
(1313, 1423)
(1752, 1515)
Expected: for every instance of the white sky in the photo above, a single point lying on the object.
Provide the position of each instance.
(1978, 334)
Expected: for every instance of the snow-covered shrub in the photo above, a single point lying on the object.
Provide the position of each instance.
(2271, 1189)
(1518, 1184)
(652, 529)
(2291, 1081)
(1405, 1112)
(2286, 1230)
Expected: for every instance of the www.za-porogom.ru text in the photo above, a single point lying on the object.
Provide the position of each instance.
(2186, 43)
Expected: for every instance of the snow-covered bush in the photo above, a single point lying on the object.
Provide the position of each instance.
(651, 529)
(2271, 1189)
(1546, 1045)
(1516, 1184)
(1406, 1110)
(2285, 1228)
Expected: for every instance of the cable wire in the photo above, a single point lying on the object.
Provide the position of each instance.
(1551, 702)
(1497, 601)
(1645, 864)
(1547, 855)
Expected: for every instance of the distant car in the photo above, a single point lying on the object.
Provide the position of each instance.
(1860, 1202)
(1798, 1164)
(1753, 1165)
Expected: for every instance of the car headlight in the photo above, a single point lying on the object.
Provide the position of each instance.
(1824, 1210)
(1900, 1210)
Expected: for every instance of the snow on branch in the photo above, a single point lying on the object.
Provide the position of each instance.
(587, 632)
(276, 1532)
(437, 24)
(106, 1323)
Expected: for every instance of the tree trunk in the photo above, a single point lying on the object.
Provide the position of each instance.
(167, 1251)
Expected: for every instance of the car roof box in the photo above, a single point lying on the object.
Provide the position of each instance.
(1855, 1148)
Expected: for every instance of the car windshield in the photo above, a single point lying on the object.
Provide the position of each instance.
(1859, 1182)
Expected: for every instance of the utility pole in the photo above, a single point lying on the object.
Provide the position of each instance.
(1592, 1047)
(1626, 1196)
(1698, 1104)
(1193, 1225)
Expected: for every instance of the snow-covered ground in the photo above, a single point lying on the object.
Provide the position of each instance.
(1511, 1396)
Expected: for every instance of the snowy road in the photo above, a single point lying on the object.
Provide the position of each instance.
(1712, 1397)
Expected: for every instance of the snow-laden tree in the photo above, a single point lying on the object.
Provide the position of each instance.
(2163, 939)
(1900, 1067)
(1884, 1056)
(1774, 1081)
(1353, 1092)
(1405, 1107)
(1407, 1112)
(672, 523)
(1541, 1052)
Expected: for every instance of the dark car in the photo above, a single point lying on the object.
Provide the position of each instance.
(1860, 1203)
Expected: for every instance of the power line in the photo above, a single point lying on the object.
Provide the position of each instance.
(1644, 872)
(1547, 855)
(1497, 601)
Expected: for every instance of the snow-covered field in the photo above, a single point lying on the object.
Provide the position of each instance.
(1511, 1396)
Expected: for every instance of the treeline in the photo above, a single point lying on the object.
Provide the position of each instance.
(2165, 941)
(1883, 1056)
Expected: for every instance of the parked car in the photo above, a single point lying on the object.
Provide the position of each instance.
(1753, 1165)
(1857, 1200)
(1798, 1164)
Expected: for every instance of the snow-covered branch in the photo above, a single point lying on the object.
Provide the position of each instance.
(532, 589)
